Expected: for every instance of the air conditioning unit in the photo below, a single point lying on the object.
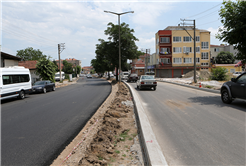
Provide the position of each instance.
(186, 52)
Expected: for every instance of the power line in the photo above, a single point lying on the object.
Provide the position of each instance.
(204, 11)
(208, 22)
(207, 15)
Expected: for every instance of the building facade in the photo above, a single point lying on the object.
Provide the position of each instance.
(175, 49)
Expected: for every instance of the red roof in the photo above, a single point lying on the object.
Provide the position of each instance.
(216, 45)
(28, 64)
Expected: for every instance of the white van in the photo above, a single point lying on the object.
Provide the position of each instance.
(57, 76)
(15, 82)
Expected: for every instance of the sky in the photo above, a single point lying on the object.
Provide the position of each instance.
(43, 24)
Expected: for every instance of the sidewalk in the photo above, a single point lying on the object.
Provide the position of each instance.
(66, 83)
(209, 86)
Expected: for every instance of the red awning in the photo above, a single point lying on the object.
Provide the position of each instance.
(238, 64)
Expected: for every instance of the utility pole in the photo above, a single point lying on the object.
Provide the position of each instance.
(147, 51)
(61, 47)
(194, 39)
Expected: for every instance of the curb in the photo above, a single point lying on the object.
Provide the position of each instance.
(151, 150)
(193, 87)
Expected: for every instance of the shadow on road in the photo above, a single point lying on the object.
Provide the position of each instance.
(216, 100)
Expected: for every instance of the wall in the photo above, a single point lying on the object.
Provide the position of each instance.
(10, 62)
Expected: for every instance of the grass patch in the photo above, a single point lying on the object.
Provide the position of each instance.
(117, 151)
(100, 157)
(208, 86)
(112, 159)
(124, 155)
(124, 135)
(134, 135)
(130, 138)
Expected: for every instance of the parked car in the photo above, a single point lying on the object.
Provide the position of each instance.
(237, 73)
(236, 88)
(43, 86)
(15, 82)
(132, 77)
(82, 75)
(111, 75)
(124, 75)
(88, 76)
(146, 81)
(57, 76)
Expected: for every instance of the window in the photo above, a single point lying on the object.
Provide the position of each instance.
(165, 60)
(177, 49)
(13, 79)
(204, 45)
(204, 55)
(177, 60)
(204, 64)
(187, 60)
(176, 39)
(165, 40)
(141, 71)
(187, 49)
(232, 70)
(197, 60)
(165, 50)
(157, 40)
(187, 39)
(157, 50)
(197, 38)
(216, 50)
(198, 49)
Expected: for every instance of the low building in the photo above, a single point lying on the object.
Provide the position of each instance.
(8, 60)
(231, 68)
(31, 65)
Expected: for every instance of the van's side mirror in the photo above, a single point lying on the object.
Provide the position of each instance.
(233, 79)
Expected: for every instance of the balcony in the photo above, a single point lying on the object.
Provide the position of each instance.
(165, 53)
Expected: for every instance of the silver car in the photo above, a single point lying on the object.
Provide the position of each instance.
(146, 81)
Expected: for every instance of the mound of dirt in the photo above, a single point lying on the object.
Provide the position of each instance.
(201, 75)
(110, 137)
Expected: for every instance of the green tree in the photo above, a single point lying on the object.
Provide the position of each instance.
(109, 50)
(78, 69)
(46, 69)
(233, 18)
(55, 63)
(67, 67)
(225, 58)
(219, 74)
(30, 54)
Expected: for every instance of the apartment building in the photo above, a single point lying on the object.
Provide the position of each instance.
(175, 48)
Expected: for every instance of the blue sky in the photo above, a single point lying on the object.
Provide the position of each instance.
(79, 24)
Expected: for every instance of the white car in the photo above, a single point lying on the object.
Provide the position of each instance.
(88, 76)
(146, 81)
(237, 73)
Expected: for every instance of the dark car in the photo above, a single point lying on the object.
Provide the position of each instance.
(132, 77)
(43, 86)
(236, 88)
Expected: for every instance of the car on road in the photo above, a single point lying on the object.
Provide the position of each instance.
(82, 75)
(236, 88)
(124, 75)
(132, 77)
(88, 76)
(237, 73)
(146, 81)
(43, 86)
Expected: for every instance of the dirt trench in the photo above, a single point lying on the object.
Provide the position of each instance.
(109, 138)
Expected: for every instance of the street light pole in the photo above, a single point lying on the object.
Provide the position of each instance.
(119, 37)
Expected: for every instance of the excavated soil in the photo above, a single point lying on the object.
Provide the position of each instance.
(109, 138)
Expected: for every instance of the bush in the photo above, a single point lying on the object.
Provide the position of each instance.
(67, 76)
(219, 74)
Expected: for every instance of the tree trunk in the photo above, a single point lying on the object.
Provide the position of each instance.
(117, 74)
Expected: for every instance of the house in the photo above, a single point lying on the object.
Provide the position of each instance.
(9, 60)
(175, 49)
(231, 68)
(87, 69)
(138, 65)
(73, 61)
(31, 65)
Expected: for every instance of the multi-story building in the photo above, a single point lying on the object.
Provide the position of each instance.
(175, 49)
(216, 49)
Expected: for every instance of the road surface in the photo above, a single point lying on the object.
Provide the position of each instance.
(36, 130)
(194, 127)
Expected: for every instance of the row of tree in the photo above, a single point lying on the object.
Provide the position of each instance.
(45, 67)
(107, 52)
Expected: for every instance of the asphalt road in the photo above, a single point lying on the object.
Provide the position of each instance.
(36, 130)
(194, 127)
